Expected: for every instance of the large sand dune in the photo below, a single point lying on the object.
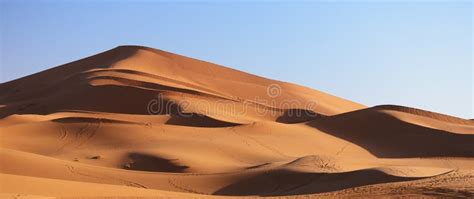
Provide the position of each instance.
(140, 122)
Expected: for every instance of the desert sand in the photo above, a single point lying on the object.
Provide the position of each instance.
(144, 123)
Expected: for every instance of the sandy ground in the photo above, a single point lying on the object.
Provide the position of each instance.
(136, 122)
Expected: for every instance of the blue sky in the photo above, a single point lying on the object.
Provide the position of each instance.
(392, 52)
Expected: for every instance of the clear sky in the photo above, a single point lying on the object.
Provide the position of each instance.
(372, 52)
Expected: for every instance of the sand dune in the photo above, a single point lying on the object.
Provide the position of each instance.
(142, 122)
(390, 134)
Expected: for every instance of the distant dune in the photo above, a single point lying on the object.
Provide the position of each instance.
(142, 122)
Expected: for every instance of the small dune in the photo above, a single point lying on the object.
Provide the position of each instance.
(147, 162)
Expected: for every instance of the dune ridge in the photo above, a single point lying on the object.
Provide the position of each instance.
(425, 113)
(143, 122)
